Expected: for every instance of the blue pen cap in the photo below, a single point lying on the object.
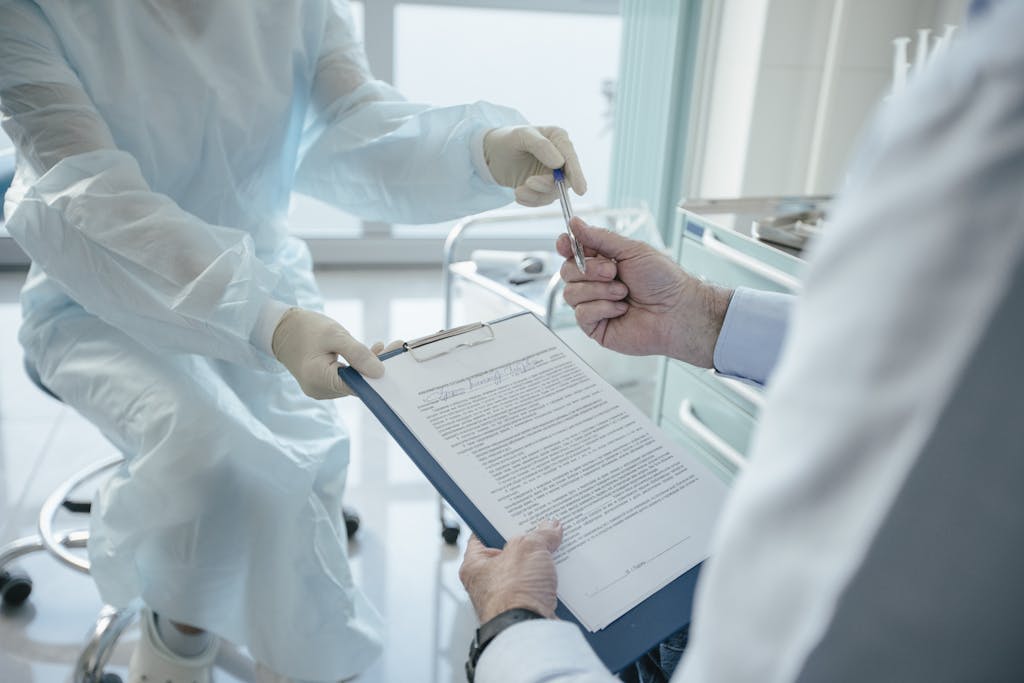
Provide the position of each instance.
(559, 174)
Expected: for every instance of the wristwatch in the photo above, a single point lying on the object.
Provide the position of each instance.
(487, 632)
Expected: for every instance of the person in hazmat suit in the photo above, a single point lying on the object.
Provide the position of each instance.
(158, 144)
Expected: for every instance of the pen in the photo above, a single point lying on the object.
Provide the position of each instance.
(563, 198)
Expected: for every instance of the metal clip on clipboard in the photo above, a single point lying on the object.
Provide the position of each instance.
(477, 329)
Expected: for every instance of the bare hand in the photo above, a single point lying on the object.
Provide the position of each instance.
(635, 300)
(522, 575)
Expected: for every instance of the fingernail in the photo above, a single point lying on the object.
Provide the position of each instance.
(606, 270)
(619, 289)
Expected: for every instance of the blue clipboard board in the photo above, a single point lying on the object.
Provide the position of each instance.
(617, 645)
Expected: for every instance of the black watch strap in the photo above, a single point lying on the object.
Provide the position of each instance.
(487, 632)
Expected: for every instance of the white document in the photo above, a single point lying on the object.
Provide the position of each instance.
(529, 432)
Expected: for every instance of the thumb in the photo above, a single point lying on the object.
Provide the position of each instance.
(356, 354)
(604, 242)
(476, 550)
(549, 532)
(534, 142)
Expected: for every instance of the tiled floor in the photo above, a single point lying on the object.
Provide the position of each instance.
(398, 555)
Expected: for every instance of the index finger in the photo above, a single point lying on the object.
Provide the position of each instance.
(545, 151)
(549, 533)
(606, 242)
(573, 170)
(599, 269)
(564, 247)
(356, 354)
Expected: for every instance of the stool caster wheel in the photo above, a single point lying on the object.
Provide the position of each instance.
(15, 587)
(351, 518)
(450, 532)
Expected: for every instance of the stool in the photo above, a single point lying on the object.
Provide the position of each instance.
(16, 586)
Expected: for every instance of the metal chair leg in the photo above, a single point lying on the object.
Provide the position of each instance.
(110, 624)
(16, 585)
(449, 527)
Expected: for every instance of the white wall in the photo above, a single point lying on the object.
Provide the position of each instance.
(802, 125)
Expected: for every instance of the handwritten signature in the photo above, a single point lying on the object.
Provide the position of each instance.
(490, 378)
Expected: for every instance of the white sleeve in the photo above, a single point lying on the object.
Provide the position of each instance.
(752, 334)
(87, 217)
(541, 651)
(871, 535)
(372, 153)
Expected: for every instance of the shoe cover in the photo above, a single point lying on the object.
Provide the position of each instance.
(153, 662)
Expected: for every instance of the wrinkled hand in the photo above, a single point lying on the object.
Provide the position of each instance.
(522, 157)
(309, 343)
(522, 575)
(635, 300)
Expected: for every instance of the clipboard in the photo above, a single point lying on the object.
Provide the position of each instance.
(624, 640)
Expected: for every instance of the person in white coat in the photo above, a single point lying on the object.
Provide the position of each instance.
(874, 534)
(158, 144)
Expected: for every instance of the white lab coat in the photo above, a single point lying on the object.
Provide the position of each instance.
(876, 534)
(158, 144)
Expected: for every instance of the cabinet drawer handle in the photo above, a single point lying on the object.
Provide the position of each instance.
(737, 257)
(713, 441)
(740, 388)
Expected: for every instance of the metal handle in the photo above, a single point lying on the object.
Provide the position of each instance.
(713, 441)
(741, 389)
(737, 257)
(111, 623)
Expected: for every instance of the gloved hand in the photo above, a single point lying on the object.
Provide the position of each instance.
(522, 157)
(308, 344)
(379, 349)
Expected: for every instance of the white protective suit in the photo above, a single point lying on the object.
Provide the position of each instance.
(158, 145)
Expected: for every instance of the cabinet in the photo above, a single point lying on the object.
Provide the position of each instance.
(713, 240)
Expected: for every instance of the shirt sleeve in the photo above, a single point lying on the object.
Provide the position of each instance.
(752, 334)
(541, 650)
(370, 152)
(884, 475)
(83, 212)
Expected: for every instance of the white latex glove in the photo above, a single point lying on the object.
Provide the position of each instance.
(379, 349)
(522, 157)
(308, 344)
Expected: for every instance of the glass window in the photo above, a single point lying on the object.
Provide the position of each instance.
(556, 68)
(308, 217)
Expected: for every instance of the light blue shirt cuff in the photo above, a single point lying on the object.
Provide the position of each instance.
(752, 334)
